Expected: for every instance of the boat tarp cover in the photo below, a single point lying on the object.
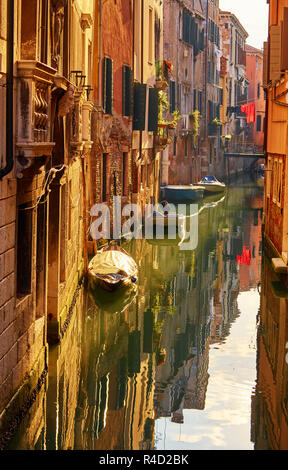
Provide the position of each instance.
(113, 262)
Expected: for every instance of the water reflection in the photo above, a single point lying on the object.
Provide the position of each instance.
(270, 405)
(173, 364)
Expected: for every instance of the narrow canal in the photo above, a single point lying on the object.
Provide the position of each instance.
(180, 363)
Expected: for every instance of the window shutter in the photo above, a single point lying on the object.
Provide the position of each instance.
(153, 110)
(275, 52)
(210, 111)
(265, 65)
(139, 108)
(179, 97)
(284, 48)
(172, 96)
(184, 29)
(104, 83)
(200, 102)
(107, 85)
(194, 99)
(126, 90)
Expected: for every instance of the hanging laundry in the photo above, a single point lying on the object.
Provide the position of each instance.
(250, 111)
(245, 258)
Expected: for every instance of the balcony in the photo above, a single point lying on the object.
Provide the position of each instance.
(213, 130)
(162, 139)
(33, 122)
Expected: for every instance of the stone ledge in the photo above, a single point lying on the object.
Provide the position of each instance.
(279, 266)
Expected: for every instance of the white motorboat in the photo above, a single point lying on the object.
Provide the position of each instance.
(211, 185)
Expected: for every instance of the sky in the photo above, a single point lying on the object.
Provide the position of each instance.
(253, 15)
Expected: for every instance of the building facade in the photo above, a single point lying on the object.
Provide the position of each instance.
(184, 38)
(276, 191)
(235, 86)
(44, 185)
(256, 94)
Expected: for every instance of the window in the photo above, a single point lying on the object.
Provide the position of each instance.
(277, 181)
(209, 72)
(172, 96)
(126, 90)
(107, 85)
(194, 99)
(259, 122)
(175, 146)
(153, 110)
(186, 146)
(221, 96)
(139, 112)
(258, 90)
(179, 97)
(44, 30)
(269, 174)
(200, 102)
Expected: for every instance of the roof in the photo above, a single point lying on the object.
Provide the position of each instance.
(234, 19)
(253, 50)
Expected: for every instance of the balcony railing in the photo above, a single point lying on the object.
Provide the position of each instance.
(33, 128)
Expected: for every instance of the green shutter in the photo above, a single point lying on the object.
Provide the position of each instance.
(179, 97)
(126, 90)
(200, 101)
(139, 108)
(153, 110)
(172, 96)
(107, 85)
(104, 83)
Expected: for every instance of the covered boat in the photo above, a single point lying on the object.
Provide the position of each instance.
(112, 267)
(183, 193)
(211, 185)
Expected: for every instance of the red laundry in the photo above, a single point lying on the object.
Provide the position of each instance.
(250, 111)
(245, 258)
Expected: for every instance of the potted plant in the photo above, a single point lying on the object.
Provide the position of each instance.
(163, 71)
(195, 118)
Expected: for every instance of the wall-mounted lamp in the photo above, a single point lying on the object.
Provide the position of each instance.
(88, 91)
(79, 78)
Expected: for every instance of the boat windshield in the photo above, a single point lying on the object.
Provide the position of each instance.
(209, 179)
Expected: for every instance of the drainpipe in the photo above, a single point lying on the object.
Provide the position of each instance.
(9, 90)
(142, 66)
(100, 53)
(133, 80)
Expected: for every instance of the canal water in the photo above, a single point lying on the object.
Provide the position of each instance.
(180, 361)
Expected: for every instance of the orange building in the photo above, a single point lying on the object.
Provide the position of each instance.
(256, 94)
(275, 80)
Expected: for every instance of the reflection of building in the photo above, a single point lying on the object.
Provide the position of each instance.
(43, 175)
(270, 404)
